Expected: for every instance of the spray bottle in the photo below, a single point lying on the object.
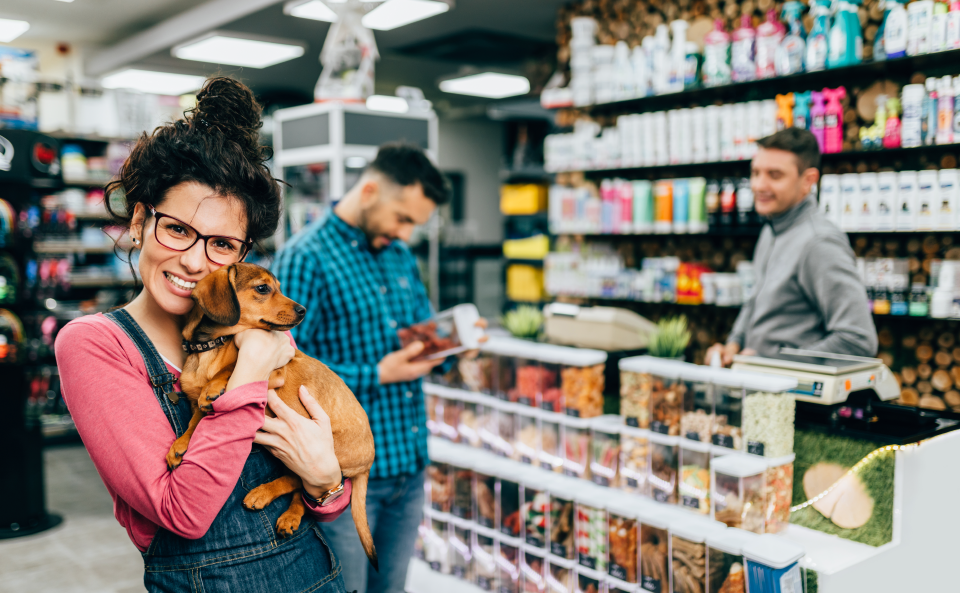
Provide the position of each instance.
(846, 38)
(953, 25)
(817, 115)
(945, 110)
(891, 132)
(769, 35)
(938, 28)
(716, 56)
(871, 137)
(892, 35)
(661, 60)
(956, 112)
(742, 52)
(784, 111)
(833, 120)
(678, 54)
(928, 125)
(817, 42)
(791, 50)
(801, 110)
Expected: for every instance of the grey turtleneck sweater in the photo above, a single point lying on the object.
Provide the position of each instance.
(808, 293)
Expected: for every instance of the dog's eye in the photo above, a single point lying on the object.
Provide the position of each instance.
(262, 289)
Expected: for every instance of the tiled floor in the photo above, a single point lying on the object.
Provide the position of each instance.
(88, 553)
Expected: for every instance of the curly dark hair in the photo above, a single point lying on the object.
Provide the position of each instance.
(217, 143)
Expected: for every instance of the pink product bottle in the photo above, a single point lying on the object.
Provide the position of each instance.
(743, 51)
(769, 35)
(833, 120)
(625, 191)
(608, 207)
(817, 110)
(891, 132)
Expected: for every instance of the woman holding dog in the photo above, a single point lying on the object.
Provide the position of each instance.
(197, 196)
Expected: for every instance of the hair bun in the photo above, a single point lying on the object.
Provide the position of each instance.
(228, 106)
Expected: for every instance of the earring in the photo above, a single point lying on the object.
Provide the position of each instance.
(136, 241)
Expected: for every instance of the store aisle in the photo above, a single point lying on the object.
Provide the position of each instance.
(88, 553)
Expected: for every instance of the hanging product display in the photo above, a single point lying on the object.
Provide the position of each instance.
(348, 55)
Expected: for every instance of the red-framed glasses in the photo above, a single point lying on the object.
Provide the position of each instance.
(177, 235)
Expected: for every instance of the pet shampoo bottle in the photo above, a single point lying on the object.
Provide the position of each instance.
(894, 31)
(791, 50)
(817, 42)
(846, 37)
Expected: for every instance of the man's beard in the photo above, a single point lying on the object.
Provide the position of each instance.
(363, 222)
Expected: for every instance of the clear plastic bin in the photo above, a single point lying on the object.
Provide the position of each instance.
(488, 425)
(576, 447)
(469, 423)
(462, 503)
(479, 374)
(506, 365)
(449, 378)
(549, 393)
(449, 418)
(439, 486)
(772, 565)
(509, 562)
(434, 412)
(508, 503)
(688, 555)
(582, 381)
(667, 393)
(533, 571)
(589, 581)
(560, 577)
(592, 529)
(654, 554)
(778, 492)
(507, 431)
(605, 450)
(634, 460)
(725, 570)
(694, 484)
(536, 513)
(528, 436)
(551, 443)
(423, 533)
(485, 561)
(768, 415)
(697, 421)
(664, 467)
(435, 547)
(461, 555)
(738, 488)
(622, 530)
(728, 405)
(485, 495)
(563, 522)
(529, 379)
(635, 396)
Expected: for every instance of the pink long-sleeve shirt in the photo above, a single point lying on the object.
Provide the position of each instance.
(107, 389)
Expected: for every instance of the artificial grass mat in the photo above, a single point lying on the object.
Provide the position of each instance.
(877, 477)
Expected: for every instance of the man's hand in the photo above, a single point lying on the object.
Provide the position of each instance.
(471, 354)
(399, 367)
(726, 352)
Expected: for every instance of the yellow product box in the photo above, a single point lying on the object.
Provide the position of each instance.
(535, 247)
(528, 198)
(524, 283)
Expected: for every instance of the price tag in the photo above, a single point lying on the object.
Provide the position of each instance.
(575, 413)
(754, 448)
(435, 566)
(526, 460)
(534, 541)
(558, 549)
(691, 502)
(570, 472)
(632, 483)
(693, 436)
(659, 427)
(661, 495)
(484, 583)
(723, 440)
(634, 422)
(601, 480)
(588, 561)
(618, 572)
(459, 572)
(526, 401)
(650, 584)
(547, 406)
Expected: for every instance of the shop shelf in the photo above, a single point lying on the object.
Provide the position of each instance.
(55, 246)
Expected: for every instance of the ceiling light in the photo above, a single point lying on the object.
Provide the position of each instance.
(148, 81)
(10, 29)
(389, 104)
(67, 1)
(488, 84)
(355, 162)
(397, 13)
(314, 9)
(238, 50)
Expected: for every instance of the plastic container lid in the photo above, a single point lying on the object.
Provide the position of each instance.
(634, 432)
(661, 367)
(697, 446)
(622, 506)
(608, 423)
(654, 516)
(554, 417)
(533, 551)
(695, 531)
(663, 439)
(574, 422)
(778, 461)
(773, 551)
(590, 573)
(564, 562)
(621, 585)
(731, 541)
(593, 496)
(739, 466)
(768, 383)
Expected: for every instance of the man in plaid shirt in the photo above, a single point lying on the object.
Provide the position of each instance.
(360, 284)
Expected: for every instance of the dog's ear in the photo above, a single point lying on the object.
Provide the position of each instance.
(217, 296)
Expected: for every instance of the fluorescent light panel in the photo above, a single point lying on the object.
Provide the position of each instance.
(397, 13)
(314, 10)
(488, 84)
(11, 29)
(222, 48)
(148, 81)
(388, 104)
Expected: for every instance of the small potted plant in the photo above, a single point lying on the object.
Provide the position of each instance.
(670, 339)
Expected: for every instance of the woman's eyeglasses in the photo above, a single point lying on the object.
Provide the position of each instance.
(177, 235)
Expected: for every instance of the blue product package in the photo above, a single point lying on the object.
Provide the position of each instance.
(681, 205)
(772, 565)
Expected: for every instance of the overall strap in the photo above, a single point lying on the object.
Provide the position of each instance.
(161, 378)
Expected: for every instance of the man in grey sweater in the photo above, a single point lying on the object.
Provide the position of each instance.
(808, 293)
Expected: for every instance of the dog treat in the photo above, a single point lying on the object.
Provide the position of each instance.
(435, 548)
(485, 564)
(509, 561)
(532, 380)
(528, 439)
(551, 454)
(635, 398)
(560, 579)
(726, 430)
(663, 472)
(450, 424)
(735, 581)
(484, 501)
(666, 405)
(536, 512)
(506, 377)
(586, 584)
(653, 558)
(467, 428)
(738, 500)
(696, 425)
(551, 400)
(634, 462)
(507, 431)
(432, 403)
(604, 457)
(694, 484)
(576, 450)
(592, 537)
(561, 528)
(778, 493)
(689, 566)
(696, 422)
(623, 548)
(478, 374)
(768, 423)
(488, 427)
(441, 487)
(531, 575)
(426, 333)
(724, 570)
(461, 559)
(509, 508)
(583, 390)
(462, 504)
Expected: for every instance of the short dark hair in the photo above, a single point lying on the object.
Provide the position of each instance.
(801, 143)
(406, 164)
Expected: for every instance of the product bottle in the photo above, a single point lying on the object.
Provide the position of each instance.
(871, 137)
(886, 201)
(894, 30)
(907, 201)
(833, 120)
(625, 83)
(770, 34)
(946, 212)
(742, 51)
(692, 63)
(728, 203)
(681, 205)
(891, 131)
(643, 207)
(663, 198)
(846, 38)
(930, 113)
(641, 76)
(712, 203)
(850, 213)
(716, 56)
(678, 54)
(784, 111)
(661, 60)
(938, 29)
(956, 112)
(791, 51)
(801, 110)
(817, 113)
(696, 213)
(911, 126)
(919, 18)
(945, 110)
(745, 212)
(817, 42)
(953, 25)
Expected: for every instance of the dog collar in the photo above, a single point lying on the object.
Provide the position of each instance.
(203, 346)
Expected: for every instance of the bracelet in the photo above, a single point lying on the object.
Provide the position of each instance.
(319, 501)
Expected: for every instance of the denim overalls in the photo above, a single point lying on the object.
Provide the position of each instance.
(241, 552)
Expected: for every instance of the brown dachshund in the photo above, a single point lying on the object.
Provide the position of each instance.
(244, 296)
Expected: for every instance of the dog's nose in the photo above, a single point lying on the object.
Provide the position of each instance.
(300, 310)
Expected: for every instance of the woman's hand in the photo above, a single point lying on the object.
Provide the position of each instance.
(304, 445)
(261, 352)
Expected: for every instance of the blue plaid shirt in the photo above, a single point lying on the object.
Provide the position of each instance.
(356, 300)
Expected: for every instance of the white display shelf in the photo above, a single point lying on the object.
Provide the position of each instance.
(421, 579)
